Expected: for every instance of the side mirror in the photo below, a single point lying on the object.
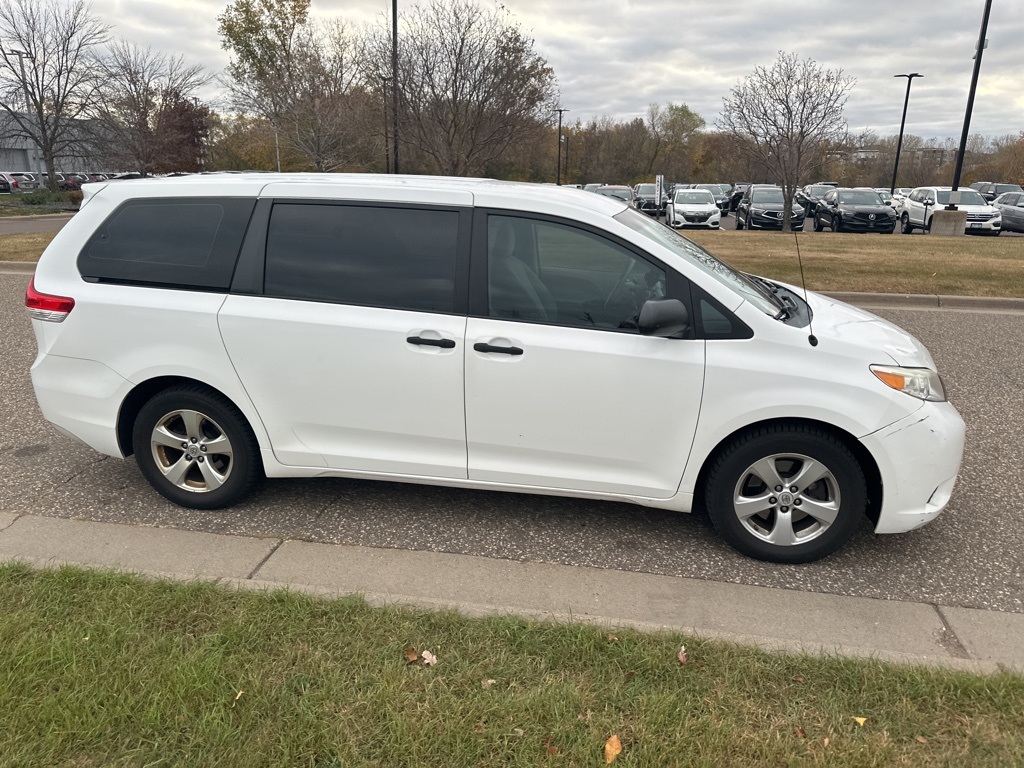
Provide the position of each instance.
(929, 201)
(664, 318)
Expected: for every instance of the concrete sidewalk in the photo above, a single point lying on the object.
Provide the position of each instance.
(963, 638)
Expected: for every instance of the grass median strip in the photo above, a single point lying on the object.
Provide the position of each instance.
(26, 247)
(100, 668)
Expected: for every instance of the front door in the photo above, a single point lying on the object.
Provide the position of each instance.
(561, 389)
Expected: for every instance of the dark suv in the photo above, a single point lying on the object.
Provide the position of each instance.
(762, 207)
(991, 190)
(647, 199)
(854, 210)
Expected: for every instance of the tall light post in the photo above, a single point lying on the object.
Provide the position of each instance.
(903, 122)
(970, 105)
(22, 55)
(558, 170)
(394, 81)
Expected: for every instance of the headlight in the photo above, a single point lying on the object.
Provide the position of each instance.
(922, 383)
(757, 211)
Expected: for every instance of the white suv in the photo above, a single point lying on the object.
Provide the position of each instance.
(477, 334)
(917, 209)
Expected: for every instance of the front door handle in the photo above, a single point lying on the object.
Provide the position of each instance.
(443, 343)
(497, 350)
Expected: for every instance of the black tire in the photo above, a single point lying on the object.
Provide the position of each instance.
(905, 226)
(200, 418)
(837, 223)
(818, 226)
(732, 478)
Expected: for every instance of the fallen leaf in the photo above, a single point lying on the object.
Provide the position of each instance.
(550, 748)
(487, 683)
(628, 676)
(86, 637)
(237, 698)
(518, 731)
(612, 749)
(411, 657)
(801, 732)
(799, 679)
(429, 659)
(922, 739)
(612, 639)
(861, 721)
(826, 741)
(682, 654)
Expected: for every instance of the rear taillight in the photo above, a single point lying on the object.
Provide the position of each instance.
(43, 306)
(14, 183)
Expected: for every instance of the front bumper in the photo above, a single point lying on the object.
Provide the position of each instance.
(851, 224)
(918, 458)
(761, 221)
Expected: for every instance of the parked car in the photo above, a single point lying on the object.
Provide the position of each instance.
(646, 196)
(722, 194)
(619, 192)
(919, 206)
(979, 184)
(5, 185)
(591, 187)
(27, 182)
(1011, 209)
(65, 182)
(990, 191)
(887, 197)
(693, 208)
(513, 380)
(854, 210)
(809, 196)
(762, 207)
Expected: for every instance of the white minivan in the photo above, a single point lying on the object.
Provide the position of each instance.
(477, 334)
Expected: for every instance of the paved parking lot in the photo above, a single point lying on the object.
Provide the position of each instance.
(972, 556)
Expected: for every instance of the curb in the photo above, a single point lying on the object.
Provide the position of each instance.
(968, 639)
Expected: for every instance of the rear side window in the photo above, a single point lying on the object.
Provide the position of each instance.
(187, 242)
(399, 258)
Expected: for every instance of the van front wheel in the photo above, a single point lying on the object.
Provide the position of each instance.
(786, 494)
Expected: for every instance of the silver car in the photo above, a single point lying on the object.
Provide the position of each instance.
(1011, 206)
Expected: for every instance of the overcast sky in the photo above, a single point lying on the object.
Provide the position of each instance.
(615, 57)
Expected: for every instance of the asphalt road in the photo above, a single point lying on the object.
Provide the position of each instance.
(971, 556)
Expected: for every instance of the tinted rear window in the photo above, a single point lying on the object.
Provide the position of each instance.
(191, 242)
(400, 258)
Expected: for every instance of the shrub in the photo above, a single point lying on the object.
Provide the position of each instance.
(45, 197)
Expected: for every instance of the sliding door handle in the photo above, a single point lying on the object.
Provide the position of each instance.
(443, 343)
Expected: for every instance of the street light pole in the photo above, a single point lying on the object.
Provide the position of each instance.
(903, 122)
(970, 102)
(394, 80)
(558, 169)
(22, 55)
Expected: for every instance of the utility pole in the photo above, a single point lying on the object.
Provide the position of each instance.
(558, 170)
(394, 80)
(22, 55)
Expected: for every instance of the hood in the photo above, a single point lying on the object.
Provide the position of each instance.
(835, 319)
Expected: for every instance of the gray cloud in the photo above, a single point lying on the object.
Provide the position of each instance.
(615, 57)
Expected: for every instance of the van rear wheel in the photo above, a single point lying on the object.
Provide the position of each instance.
(786, 494)
(196, 448)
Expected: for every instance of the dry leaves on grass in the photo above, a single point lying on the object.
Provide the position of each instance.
(412, 656)
(860, 721)
(682, 654)
(612, 749)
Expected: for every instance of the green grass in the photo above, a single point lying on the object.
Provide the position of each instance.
(102, 669)
(959, 266)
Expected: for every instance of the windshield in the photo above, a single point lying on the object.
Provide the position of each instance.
(1000, 188)
(885, 195)
(767, 195)
(860, 197)
(694, 197)
(645, 189)
(967, 197)
(701, 259)
(819, 190)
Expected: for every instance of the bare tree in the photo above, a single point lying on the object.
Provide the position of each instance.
(57, 39)
(140, 89)
(782, 115)
(471, 85)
